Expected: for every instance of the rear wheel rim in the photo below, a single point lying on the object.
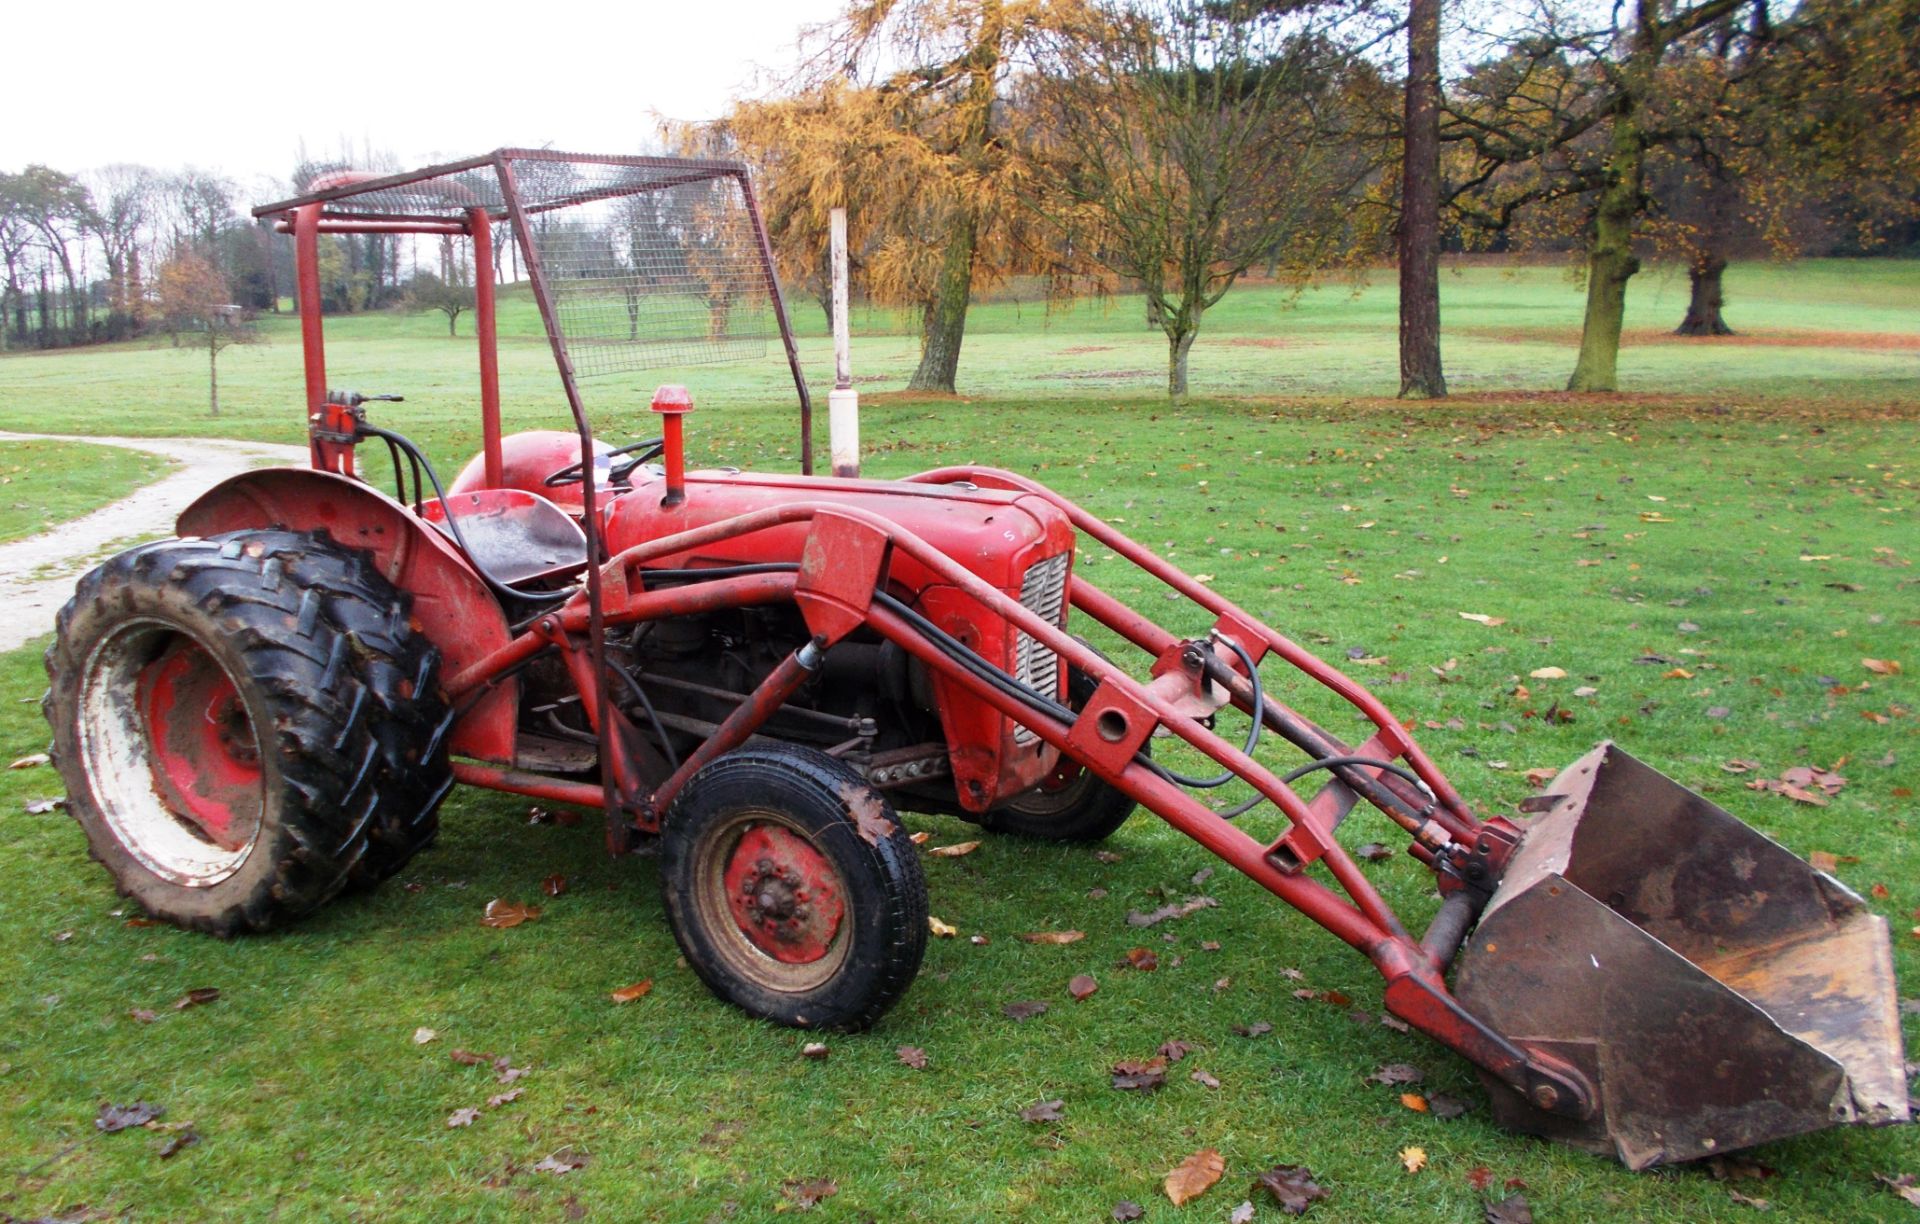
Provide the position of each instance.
(773, 901)
(171, 754)
(1064, 787)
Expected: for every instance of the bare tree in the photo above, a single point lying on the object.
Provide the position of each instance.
(194, 297)
(1180, 145)
(123, 197)
(428, 291)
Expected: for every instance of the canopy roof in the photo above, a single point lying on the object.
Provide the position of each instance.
(542, 179)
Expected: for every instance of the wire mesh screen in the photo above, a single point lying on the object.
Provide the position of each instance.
(650, 262)
(666, 276)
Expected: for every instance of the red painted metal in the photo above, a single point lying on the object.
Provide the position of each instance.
(336, 225)
(313, 345)
(842, 565)
(206, 758)
(534, 786)
(784, 894)
(673, 403)
(480, 226)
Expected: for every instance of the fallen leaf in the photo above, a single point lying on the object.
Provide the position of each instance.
(1107, 856)
(1194, 1176)
(1204, 1080)
(1127, 1209)
(1243, 1214)
(1053, 937)
(507, 1074)
(1678, 673)
(1585, 690)
(1479, 1177)
(1739, 765)
(28, 762)
(1396, 1073)
(559, 1163)
(1513, 1209)
(423, 1035)
(1146, 960)
(912, 1056)
(1025, 1010)
(1374, 852)
(1906, 1185)
(940, 928)
(1446, 1107)
(143, 1015)
(1744, 1200)
(462, 1117)
(920, 838)
(806, 1195)
(1548, 673)
(1172, 910)
(955, 850)
(503, 914)
(197, 997)
(1082, 987)
(1292, 1187)
(1820, 860)
(174, 1144)
(1131, 1075)
(1413, 1159)
(627, 994)
(1882, 667)
(40, 807)
(554, 885)
(1174, 1051)
(816, 1050)
(1483, 618)
(1259, 1028)
(467, 1058)
(1044, 1111)
(1414, 1101)
(113, 1118)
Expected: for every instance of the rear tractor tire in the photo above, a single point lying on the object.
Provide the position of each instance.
(793, 890)
(1071, 804)
(245, 724)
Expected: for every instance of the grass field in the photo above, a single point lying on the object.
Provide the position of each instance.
(44, 484)
(1746, 512)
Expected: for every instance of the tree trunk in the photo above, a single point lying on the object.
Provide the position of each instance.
(1703, 306)
(1421, 376)
(213, 370)
(946, 317)
(1610, 259)
(1178, 346)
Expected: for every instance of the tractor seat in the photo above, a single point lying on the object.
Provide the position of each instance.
(514, 535)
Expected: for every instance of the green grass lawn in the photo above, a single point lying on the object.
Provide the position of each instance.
(44, 484)
(1753, 524)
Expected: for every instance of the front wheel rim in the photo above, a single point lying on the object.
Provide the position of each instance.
(171, 753)
(773, 902)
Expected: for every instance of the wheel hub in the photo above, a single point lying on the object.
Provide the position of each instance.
(783, 894)
(204, 755)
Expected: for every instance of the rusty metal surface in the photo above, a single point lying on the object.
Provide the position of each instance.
(1718, 990)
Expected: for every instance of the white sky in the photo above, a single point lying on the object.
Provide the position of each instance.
(235, 87)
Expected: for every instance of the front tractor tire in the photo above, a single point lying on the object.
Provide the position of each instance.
(1071, 804)
(245, 724)
(793, 890)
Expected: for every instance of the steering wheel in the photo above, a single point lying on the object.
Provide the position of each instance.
(616, 473)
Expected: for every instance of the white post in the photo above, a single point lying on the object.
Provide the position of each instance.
(843, 402)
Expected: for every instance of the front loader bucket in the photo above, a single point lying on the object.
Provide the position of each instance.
(1716, 990)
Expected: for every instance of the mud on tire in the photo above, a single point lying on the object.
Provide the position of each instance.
(241, 723)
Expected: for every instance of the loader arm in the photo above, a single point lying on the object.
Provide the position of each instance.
(1571, 975)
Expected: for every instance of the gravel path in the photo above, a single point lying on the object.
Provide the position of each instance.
(37, 574)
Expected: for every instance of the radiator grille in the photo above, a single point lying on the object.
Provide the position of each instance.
(1043, 592)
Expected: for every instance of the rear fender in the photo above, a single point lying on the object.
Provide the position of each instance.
(451, 605)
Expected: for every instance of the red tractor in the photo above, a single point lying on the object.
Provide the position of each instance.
(759, 669)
